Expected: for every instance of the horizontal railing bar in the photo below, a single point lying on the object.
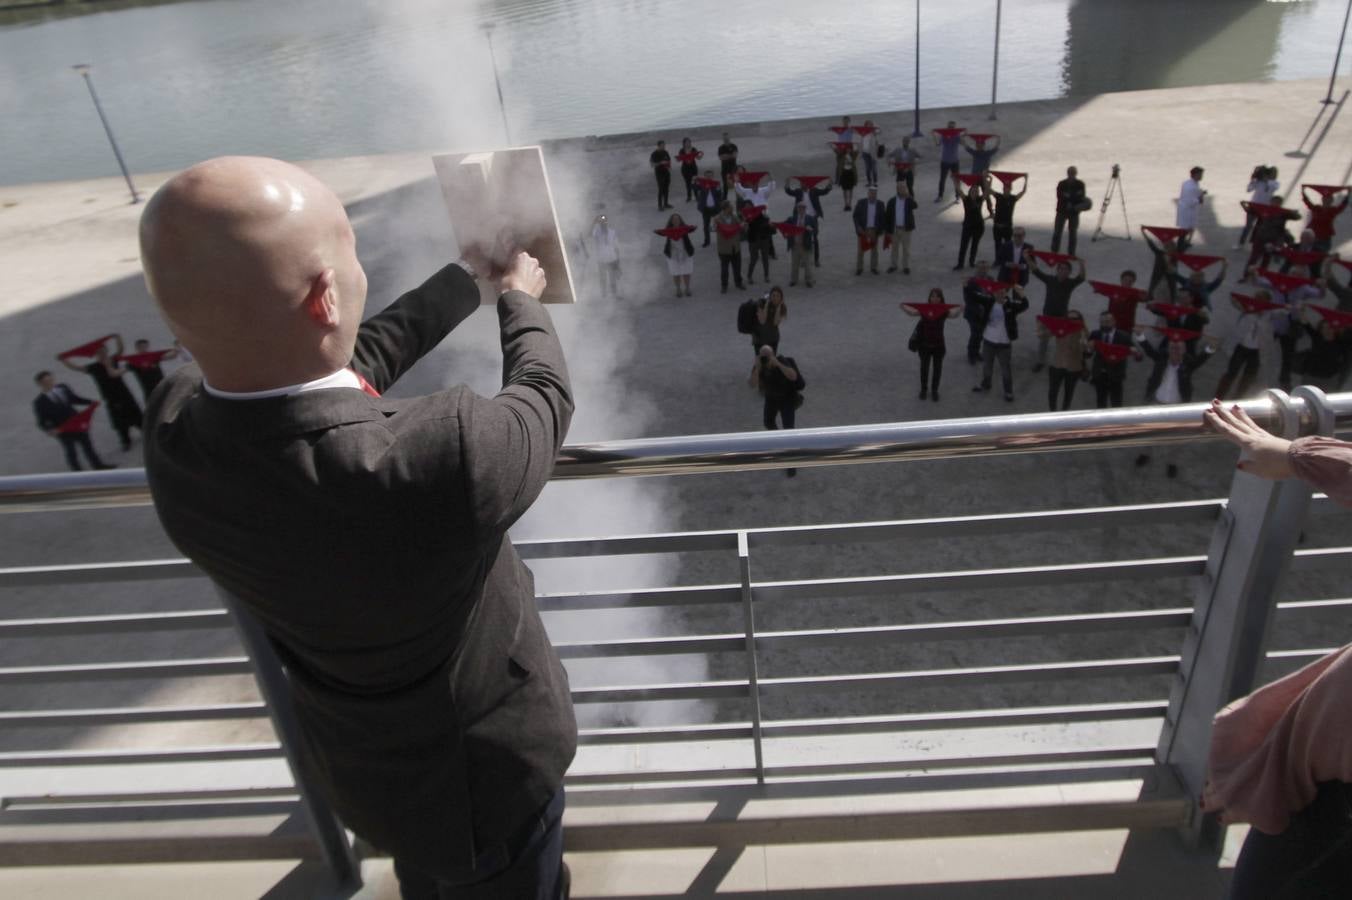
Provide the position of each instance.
(1321, 559)
(801, 447)
(1053, 715)
(884, 634)
(183, 668)
(132, 798)
(702, 690)
(230, 753)
(1315, 604)
(907, 782)
(1311, 654)
(957, 526)
(146, 813)
(137, 622)
(1049, 671)
(668, 542)
(1007, 578)
(133, 715)
(926, 763)
(98, 573)
(662, 596)
(1158, 665)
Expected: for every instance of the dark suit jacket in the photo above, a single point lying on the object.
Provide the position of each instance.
(1190, 364)
(861, 215)
(1102, 370)
(369, 538)
(906, 219)
(701, 197)
(807, 237)
(51, 413)
(1010, 266)
(813, 196)
(1013, 305)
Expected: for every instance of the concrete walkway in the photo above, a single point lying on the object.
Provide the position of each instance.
(650, 364)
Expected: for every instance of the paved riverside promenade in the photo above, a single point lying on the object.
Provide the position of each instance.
(651, 364)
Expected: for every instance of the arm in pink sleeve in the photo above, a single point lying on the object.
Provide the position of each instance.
(1326, 463)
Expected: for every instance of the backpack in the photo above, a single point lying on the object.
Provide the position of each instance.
(746, 317)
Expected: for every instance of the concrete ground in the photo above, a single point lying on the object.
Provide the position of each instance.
(650, 364)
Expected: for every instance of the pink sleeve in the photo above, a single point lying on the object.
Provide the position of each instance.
(1326, 463)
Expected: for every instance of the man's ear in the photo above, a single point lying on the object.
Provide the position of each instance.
(321, 301)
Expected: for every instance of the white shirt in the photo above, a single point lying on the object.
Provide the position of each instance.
(1168, 391)
(1246, 330)
(760, 196)
(871, 214)
(869, 144)
(607, 244)
(1189, 200)
(342, 378)
(995, 326)
(1263, 190)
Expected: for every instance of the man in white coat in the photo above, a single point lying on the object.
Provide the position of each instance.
(1190, 197)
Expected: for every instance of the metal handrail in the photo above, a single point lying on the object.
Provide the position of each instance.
(803, 447)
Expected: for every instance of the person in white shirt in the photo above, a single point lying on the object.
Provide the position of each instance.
(1172, 381)
(1263, 184)
(1244, 360)
(757, 196)
(868, 149)
(606, 249)
(1190, 197)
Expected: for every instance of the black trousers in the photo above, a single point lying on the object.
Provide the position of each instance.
(1062, 382)
(1062, 220)
(936, 359)
(1244, 365)
(1002, 232)
(971, 237)
(783, 407)
(1286, 344)
(973, 341)
(689, 175)
(73, 439)
(946, 172)
(733, 260)
(535, 870)
(663, 187)
(1311, 858)
(760, 250)
(708, 215)
(1108, 392)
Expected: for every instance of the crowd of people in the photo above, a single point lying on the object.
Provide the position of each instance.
(1298, 303)
(64, 414)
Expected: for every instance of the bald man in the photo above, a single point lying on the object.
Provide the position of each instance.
(368, 535)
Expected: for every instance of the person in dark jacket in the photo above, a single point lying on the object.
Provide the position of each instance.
(1171, 382)
(1070, 198)
(148, 374)
(709, 200)
(1013, 259)
(760, 235)
(1106, 375)
(780, 382)
(794, 189)
(1057, 300)
(801, 246)
(1001, 205)
(107, 374)
(973, 221)
(660, 160)
(999, 327)
(771, 312)
(900, 224)
(53, 407)
(870, 218)
(929, 342)
(974, 296)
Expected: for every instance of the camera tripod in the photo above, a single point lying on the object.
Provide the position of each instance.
(1114, 190)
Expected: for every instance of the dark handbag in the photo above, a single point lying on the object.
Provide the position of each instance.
(914, 343)
(798, 400)
(1084, 205)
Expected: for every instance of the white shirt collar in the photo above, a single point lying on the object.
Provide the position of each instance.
(342, 378)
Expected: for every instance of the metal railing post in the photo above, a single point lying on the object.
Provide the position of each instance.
(338, 851)
(1250, 552)
(752, 670)
(995, 60)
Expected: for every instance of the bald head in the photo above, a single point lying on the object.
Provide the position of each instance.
(253, 264)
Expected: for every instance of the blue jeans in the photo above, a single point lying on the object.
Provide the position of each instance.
(535, 870)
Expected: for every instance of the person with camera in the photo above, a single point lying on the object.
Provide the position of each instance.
(1190, 199)
(1070, 202)
(1263, 184)
(771, 312)
(778, 379)
(999, 329)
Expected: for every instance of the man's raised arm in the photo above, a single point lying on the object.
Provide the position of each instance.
(390, 342)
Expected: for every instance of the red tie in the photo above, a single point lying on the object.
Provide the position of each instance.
(364, 384)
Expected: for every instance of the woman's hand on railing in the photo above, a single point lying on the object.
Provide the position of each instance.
(1261, 453)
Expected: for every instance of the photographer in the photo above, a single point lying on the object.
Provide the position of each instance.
(1263, 184)
(778, 380)
(1070, 202)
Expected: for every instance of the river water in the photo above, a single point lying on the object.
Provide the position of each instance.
(317, 78)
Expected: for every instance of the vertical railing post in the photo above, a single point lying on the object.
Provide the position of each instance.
(917, 132)
(995, 60)
(752, 669)
(271, 679)
(1250, 552)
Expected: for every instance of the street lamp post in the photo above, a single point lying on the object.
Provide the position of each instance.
(917, 133)
(1338, 57)
(995, 64)
(502, 105)
(83, 69)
